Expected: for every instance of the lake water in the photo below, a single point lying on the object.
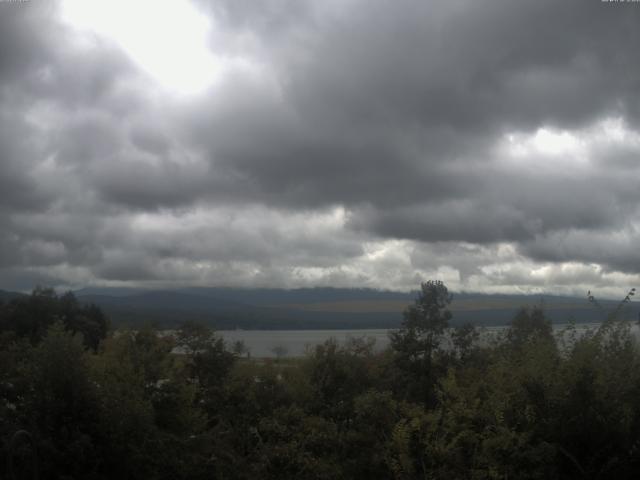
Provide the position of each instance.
(261, 343)
(295, 342)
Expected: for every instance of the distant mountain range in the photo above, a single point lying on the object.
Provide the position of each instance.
(317, 308)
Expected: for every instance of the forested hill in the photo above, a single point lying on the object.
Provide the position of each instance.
(320, 308)
(8, 296)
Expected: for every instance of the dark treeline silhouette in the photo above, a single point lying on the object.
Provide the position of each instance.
(135, 404)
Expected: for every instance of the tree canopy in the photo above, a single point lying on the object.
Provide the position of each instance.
(528, 403)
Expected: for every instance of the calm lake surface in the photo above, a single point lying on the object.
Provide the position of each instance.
(261, 343)
(295, 342)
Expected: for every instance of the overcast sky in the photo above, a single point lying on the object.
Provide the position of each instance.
(286, 143)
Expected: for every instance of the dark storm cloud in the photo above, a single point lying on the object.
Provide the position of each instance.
(22, 39)
(617, 250)
(40, 60)
(465, 65)
(510, 206)
(394, 113)
(18, 188)
(377, 103)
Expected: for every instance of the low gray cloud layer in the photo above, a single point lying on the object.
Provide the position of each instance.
(491, 143)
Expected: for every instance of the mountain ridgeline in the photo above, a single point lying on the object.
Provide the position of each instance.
(320, 308)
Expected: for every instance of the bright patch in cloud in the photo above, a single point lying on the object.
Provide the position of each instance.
(545, 141)
(167, 38)
(554, 148)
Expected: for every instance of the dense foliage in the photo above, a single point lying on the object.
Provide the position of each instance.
(436, 404)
